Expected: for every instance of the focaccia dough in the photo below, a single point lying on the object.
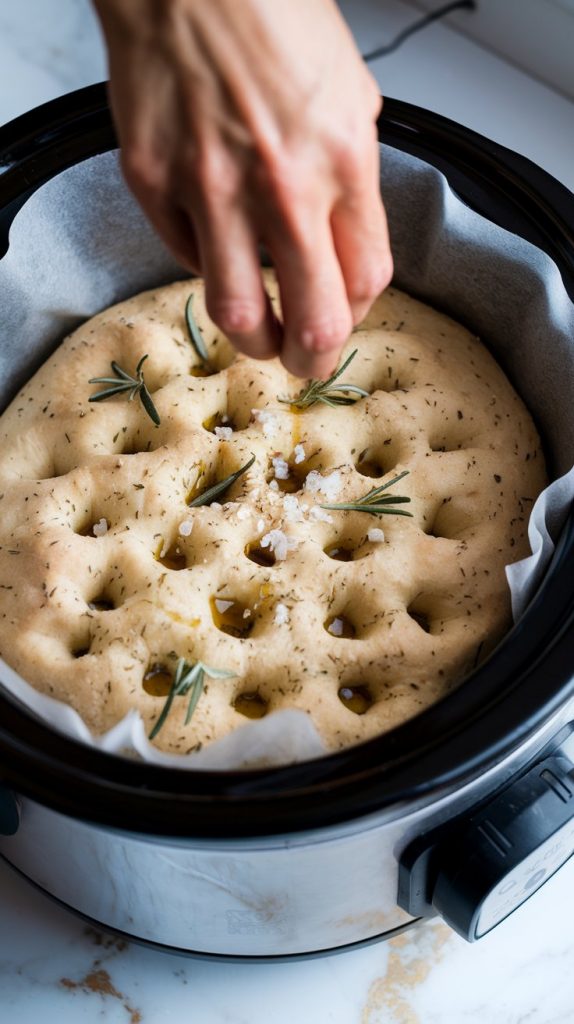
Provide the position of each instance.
(425, 603)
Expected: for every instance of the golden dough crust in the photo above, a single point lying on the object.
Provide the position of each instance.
(424, 604)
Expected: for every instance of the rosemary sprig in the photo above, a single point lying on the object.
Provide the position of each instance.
(124, 383)
(374, 504)
(327, 391)
(188, 679)
(195, 335)
(206, 497)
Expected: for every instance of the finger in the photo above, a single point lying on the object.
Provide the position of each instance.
(361, 237)
(234, 293)
(172, 225)
(316, 315)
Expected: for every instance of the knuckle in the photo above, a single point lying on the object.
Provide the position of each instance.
(216, 175)
(282, 177)
(238, 316)
(374, 98)
(142, 171)
(349, 161)
(366, 286)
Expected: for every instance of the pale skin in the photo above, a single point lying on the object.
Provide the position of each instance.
(248, 123)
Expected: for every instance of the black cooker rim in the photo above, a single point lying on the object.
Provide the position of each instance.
(487, 717)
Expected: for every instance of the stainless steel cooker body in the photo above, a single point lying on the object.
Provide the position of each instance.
(266, 896)
(463, 811)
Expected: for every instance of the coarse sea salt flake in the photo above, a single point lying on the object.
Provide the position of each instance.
(299, 453)
(267, 420)
(281, 614)
(101, 528)
(280, 467)
(313, 481)
(329, 486)
(223, 433)
(274, 485)
(292, 509)
(320, 515)
(184, 529)
(260, 525)
(375, 536)
(215, 505)
(279, 543)
(336, 627)
(243, 512)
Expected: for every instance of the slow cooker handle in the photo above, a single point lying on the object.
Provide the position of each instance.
(45, 141)
(505, 187)
(500, 185)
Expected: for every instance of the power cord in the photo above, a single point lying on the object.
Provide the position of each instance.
(420, 23)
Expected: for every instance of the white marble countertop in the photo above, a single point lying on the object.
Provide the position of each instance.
(55, 969)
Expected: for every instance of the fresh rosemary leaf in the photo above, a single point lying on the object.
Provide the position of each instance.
(195, 692)
(206, 497)
(124, 383)
(328, 391)
(99, 396)
(373, 504)
(188, 679)
(146, 401)
(195, 334)
(123, 373)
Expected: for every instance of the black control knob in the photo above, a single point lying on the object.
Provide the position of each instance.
(478, 870)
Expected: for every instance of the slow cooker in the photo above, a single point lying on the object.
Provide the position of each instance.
(463, 811)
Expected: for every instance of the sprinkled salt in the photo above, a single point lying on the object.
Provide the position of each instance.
(329, 485)
(215, 505)
(101, 528)
(279, 543)
(223, 433)
(375, 536)
(268, 421)
(280, 468)
(281, 614)
(299, 453)
(246, 613)
(292, 509)
(184, 529)
(320, 515)
(274, 485)
(313, 481)
(260, 525)
(243, 512)
(336, 627)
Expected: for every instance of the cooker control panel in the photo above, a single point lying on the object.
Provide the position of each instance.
(474, 871)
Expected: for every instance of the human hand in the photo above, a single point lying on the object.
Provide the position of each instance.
(248, 123)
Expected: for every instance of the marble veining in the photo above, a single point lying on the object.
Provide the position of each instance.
(55, 969)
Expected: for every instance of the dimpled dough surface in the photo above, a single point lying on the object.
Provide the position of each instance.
(424, 604)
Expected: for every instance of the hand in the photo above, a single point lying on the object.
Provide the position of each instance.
(246, 122)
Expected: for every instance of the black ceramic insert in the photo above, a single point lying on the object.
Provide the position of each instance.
(511, 695)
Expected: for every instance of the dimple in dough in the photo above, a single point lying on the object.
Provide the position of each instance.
(425, 604)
